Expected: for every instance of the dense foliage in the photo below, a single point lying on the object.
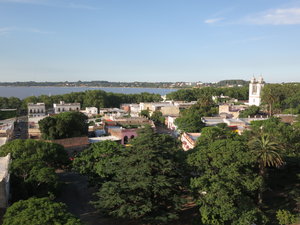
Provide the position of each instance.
(6, 114)
(251, 111)
(33, 166)
(96, 98)
(282, 98)
(145, 180)
(194, 94)
(190, 120)
(38, 211)
(96, 162)
(64, 125)
(158, 118)
(223, 180)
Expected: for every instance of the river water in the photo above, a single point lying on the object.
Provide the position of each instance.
(23, 92)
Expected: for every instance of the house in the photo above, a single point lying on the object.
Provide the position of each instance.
(132, 109)
(238, 124)
(111, 113)
(4, 182)
(33, 127)
(7, 128)
(90, 111)
(170, 122)
(189, 140)
(36, 110)
(230, 110)
(65, 107)
(126, 129)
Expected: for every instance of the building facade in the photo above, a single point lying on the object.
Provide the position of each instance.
(4, 182)
(36, 110)
(255, 88)
(65, 107)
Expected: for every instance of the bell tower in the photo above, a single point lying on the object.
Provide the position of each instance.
(255, 88)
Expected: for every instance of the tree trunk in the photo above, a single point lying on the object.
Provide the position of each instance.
(262, 172)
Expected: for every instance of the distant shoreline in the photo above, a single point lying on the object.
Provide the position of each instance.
(90, 87)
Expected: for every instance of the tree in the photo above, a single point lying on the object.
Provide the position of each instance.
(147, 181)
(285, 217)
(98, 160)
(266, 152)
(64, 125)
(33, 166)
(145, 113)
(223, 182)
(157, 118)
(270, 95)
(190, 120)
(38, 211)
(251, 111)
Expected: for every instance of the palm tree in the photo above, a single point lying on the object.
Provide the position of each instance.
(267, 155)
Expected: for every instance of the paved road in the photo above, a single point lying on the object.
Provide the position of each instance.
(21, 128)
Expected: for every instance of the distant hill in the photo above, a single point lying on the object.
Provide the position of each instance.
(232, 82)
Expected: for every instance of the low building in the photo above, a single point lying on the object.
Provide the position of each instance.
(104, 138)
(170, 122)
(238, 124)
(132, 109)
(112, 113)
(33, 127)
(230, 110)
(4, 182)
(7, 128)
(65, 107)
(90, 111)
(287, 118)
(125, 129)
(189, 140)
(36, 110)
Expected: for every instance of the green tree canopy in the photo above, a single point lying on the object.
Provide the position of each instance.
(64, 125)
(147, 181)
(38, 211)
(97, 162)
(251, 111)
(157, 118)
(190, 120)
(33, 166)
(224, 183)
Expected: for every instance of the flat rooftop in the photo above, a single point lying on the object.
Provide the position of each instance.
(4, 163)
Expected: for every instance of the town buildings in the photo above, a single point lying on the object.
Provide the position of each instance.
(36, 110)
(65, 107)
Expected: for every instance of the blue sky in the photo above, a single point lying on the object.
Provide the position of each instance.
(149, 40)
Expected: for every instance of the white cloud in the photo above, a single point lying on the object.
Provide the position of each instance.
(8, 30)
(214, 20)
(5, 30)
(281, 16)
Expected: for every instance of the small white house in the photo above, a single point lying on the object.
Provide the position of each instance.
(36, 110)
(65, 107)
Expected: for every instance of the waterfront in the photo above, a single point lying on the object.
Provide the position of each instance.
(23, 92)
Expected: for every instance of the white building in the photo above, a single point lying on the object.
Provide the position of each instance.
(36, 110)
(255, 88)
(91, 111)
(4, 181)
(65, 107)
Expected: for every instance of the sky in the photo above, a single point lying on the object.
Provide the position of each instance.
(149, 40)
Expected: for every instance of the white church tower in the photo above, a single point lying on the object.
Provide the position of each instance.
(255, 88)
